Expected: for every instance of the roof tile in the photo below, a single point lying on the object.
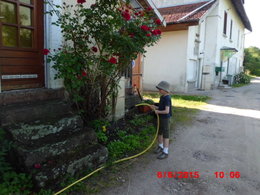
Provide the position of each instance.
(174, 13)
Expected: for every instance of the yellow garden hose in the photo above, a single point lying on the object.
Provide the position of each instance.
(120, 160)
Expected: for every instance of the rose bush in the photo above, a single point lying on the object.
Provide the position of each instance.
(99, 44)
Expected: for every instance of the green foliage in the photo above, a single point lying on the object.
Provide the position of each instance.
(15, 183)
(5, 146)
(99, 44)
(79, 187)
(252, 60)
(99, 124)
(242, 78)
(10, 181)
(45, 192)
(139, 121)
(117, 149)
(130, 143)
(100, 127)
(121, 134)
(196, 98)
(102, 137)
(148, 101)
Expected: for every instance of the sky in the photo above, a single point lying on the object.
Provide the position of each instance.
(253, 13)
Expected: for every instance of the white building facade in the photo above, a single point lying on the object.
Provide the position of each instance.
(201, 49)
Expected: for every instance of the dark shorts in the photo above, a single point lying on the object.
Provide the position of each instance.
(164, 127)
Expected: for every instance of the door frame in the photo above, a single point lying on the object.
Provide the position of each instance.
(37, 44)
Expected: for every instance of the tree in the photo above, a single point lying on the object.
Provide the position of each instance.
(252, 60)
(99, 44)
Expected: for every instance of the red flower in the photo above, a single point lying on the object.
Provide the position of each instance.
(83, 73)
(159, 32)
(81, 1)
(113, 60)
(141, 13)
(136, 13)
(149, 9)
(156, 32)
(131, 35)
(126, 15)
(37, 166)
(158, 21)
(94, 49)
(93, 5)
(145, 28)
(148, 34)
(46, 52)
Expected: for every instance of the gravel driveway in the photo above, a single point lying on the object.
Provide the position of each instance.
(224, 138)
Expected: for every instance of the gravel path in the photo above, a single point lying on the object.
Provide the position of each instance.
(224, 137)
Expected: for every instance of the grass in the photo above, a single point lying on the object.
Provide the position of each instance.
(184, 101)
(184, 106)
(239, 85)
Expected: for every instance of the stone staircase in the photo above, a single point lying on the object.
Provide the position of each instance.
(50, 140)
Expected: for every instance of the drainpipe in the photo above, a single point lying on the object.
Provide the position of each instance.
(46, 45)
(220, 74)
(1, 17)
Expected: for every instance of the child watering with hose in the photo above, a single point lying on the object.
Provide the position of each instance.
(164, 110)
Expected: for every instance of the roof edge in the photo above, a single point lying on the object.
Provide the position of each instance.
(242, 14)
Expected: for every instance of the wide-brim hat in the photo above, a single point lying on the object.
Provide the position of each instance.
(164, 85)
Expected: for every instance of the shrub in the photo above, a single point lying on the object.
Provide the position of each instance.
(241, 78)
(99, 44)
(10, 181)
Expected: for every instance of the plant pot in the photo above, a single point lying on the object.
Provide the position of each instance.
(144, 109)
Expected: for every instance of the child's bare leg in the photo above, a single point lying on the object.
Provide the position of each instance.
(166, 142)
(160, 139)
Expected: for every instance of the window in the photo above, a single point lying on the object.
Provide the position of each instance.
(231, 29)
(225, 23)
(17, 25)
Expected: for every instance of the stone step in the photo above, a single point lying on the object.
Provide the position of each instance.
(50, 163)
(52, 173)
(30, 95)
(69, 148)
(38, 133)
(50, 141)
(41, 110)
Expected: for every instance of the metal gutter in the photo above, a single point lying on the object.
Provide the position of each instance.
(194, 11)
(153, 6)
(151, 3)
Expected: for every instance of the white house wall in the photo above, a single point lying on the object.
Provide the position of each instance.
(213, 40)
(237, 39)
(192, 58)
(209, 51)
(167, 60)
(53, 40)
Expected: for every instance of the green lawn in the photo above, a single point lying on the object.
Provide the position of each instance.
(184, 106)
